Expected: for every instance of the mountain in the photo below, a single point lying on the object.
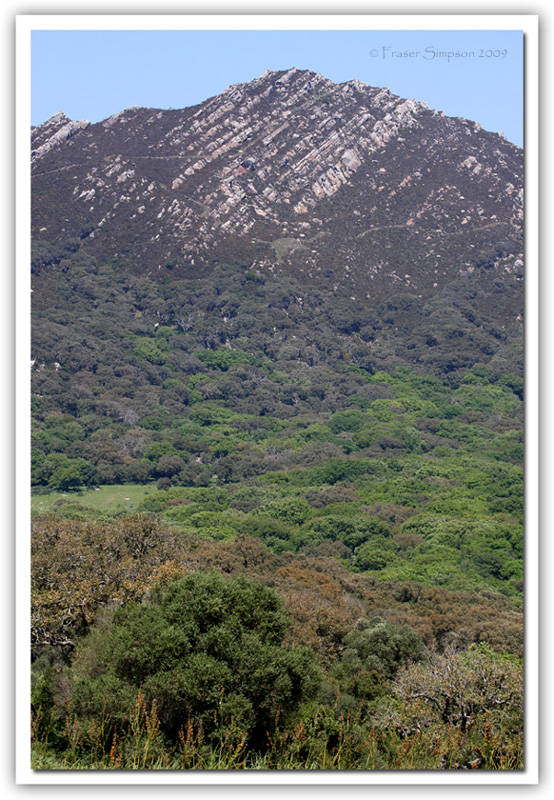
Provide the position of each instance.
(293, 174)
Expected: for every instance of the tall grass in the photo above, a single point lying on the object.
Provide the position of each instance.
(320, 738)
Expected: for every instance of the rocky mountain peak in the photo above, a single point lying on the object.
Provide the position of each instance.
(288, 173)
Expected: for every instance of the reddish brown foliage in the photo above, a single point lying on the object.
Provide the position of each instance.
(78, 567)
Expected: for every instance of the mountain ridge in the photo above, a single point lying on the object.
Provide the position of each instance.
(259, 170)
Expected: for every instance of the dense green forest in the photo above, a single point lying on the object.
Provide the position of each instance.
(324, 564)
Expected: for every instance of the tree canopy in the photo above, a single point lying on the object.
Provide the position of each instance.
(209, 650)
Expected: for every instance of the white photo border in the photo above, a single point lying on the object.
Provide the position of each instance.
(25, 24)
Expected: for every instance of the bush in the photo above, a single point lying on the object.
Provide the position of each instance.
(208, 652)
(294, 511)
(350, 420)
(374, 651)
(375, 554)
(72, 477)
(457, 687)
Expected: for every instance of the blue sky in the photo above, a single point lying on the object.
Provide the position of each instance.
(92, 74)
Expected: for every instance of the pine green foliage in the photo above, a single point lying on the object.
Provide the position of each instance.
(205, 651)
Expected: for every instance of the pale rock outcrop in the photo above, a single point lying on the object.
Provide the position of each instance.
(60, 135)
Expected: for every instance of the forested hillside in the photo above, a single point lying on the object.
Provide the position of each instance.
(277, 489)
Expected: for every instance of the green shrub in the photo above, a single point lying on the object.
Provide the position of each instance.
(208, 651)
(374, 651)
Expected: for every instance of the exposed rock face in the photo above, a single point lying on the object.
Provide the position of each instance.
(54, 132)
(289, 172)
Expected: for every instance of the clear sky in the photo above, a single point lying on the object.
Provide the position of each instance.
(92, 74)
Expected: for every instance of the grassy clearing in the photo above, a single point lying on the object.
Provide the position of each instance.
(104, 499)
